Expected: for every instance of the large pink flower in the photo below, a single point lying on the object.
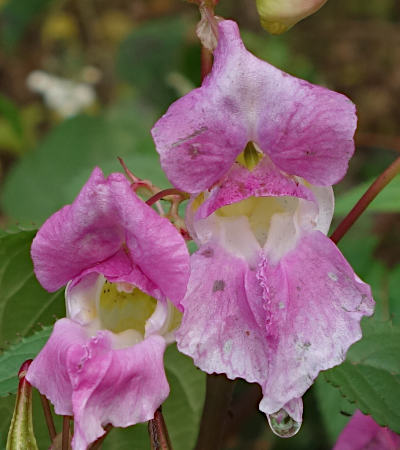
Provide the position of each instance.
(104, 362)
(270, 298)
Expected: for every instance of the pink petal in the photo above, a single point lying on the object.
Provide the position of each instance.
(108, 228)
(240, 183)
(315, 303)
(122, 387)
(363, 433)
(306, 130)
(222, 327)
(48, 371)
(87, 378)
(278, 325)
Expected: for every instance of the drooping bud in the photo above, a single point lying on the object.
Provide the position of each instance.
(20, 434)
(277, 16)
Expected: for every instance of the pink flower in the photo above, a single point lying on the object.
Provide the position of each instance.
(363, 433)
(270, 298)
(104, 362)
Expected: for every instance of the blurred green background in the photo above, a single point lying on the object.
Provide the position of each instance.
(82, 82)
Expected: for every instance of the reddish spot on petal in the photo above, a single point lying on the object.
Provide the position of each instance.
(219, 285)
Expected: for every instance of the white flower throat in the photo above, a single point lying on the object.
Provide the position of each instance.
(123, 307)
(259, 212)
(125, 310)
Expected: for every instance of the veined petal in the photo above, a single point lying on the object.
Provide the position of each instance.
(78, 236)
(48, 372)
(239, 184)
(306, 130)
(98, 384)
(222, 327)
(109, 230)
(122, 387)
(316, 302)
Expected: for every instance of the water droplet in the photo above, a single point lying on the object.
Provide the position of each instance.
(282, 424)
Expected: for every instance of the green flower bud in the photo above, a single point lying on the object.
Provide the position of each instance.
(277, 16)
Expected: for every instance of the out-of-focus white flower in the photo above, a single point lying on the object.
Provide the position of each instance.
(65, 96)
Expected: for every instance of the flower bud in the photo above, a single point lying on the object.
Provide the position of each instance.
(277, 16)
(20, 434)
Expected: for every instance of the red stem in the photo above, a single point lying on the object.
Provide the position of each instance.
(159, 438)
(65, 433)
(376, 187)
(48, 417)
(165, 193)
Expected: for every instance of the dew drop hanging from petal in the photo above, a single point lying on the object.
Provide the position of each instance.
(282, 424)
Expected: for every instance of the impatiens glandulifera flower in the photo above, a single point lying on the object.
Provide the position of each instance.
(363, 433)
(103, 364)
(277, 16)
(270, 298)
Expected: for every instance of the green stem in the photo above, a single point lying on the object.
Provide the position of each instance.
(215, 412)
(376, 187)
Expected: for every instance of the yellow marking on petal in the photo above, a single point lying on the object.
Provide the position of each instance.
(258, 210)
(250, 156)
(120, 310)
(175, 319)
(242, 208)
(260, 218)
(197, 202)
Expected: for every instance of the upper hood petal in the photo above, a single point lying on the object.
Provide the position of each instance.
(306, 130)
(109, 225)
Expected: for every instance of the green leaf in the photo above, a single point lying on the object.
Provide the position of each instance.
(52, 175)
(370, 376)
(148, 55)
(12, 359)
(23, 302)
(387, 200)
(394, 294)
(182, 410)
(335, 410)
(16, 16)
(10, 112)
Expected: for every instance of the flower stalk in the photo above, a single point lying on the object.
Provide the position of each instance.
(48, 417)
(158, 432)
(215, 412)
(65, 433)
(383, 180)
